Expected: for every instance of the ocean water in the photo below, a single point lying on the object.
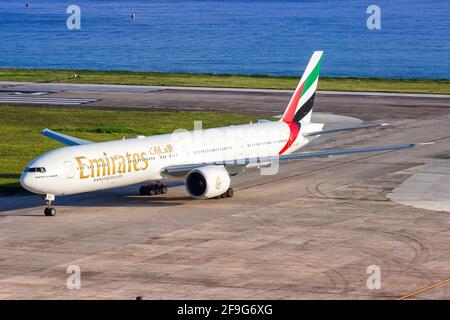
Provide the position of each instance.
(245, 37)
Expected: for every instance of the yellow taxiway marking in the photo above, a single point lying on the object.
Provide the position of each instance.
(424, 289)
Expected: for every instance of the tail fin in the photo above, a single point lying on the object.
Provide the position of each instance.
(300, 107)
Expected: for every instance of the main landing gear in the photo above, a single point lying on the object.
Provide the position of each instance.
(153, 189)
(227, 194)
(49, 211)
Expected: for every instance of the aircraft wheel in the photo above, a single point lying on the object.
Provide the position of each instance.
(143, 190)
(158, 189)
(152, 190)
(50, 212)
(164, 189)
(230, 192)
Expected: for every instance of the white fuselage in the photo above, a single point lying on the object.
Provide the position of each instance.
(105, 165)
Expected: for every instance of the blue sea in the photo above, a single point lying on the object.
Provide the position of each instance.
(245, 37)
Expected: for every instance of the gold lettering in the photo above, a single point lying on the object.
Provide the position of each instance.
(81, 165)
(145, 160)
(113, 164)
(122, 164)
(128, 155)
(97, 163)
(126, 163)
(108, 165)
(136, 159)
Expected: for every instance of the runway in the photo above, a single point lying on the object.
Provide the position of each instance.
(313, 231)
(39, 97)
(261, 102)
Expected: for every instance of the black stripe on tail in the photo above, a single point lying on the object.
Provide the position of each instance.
(304, 109)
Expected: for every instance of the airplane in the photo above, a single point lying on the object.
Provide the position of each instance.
(203, 159)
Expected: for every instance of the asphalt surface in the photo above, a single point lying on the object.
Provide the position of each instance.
(314, 230)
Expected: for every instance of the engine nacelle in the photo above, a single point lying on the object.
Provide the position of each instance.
(207, 182)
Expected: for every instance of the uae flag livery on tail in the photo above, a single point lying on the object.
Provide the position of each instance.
(300, 106)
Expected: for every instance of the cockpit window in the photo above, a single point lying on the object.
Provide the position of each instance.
(37, 169)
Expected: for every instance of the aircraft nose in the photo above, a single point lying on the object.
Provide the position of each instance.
(25, 181)
(30, 183)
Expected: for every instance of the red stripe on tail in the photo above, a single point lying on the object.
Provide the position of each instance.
(294, 129)
(290, 113)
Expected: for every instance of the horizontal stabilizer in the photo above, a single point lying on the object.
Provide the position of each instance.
(361, 126)
(67, 140)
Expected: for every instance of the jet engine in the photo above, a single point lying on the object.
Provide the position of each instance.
(207, 182)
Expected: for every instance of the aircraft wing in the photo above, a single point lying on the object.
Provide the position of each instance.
(361, 126)
(240, 163)
(67, 140)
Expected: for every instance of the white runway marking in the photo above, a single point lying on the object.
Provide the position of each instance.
(44, 100)
(26, 93)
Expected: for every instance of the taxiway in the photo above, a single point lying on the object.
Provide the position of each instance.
(310, 232)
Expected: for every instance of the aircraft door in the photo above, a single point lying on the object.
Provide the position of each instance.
(69, 167)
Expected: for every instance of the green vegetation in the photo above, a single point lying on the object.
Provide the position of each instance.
(232, 81)
(21, 140)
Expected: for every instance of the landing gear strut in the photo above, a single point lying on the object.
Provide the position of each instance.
(49, 211)
(152, 189)
(227, 194)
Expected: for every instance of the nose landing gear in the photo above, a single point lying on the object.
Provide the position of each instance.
(153, 189)
(49, 211)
